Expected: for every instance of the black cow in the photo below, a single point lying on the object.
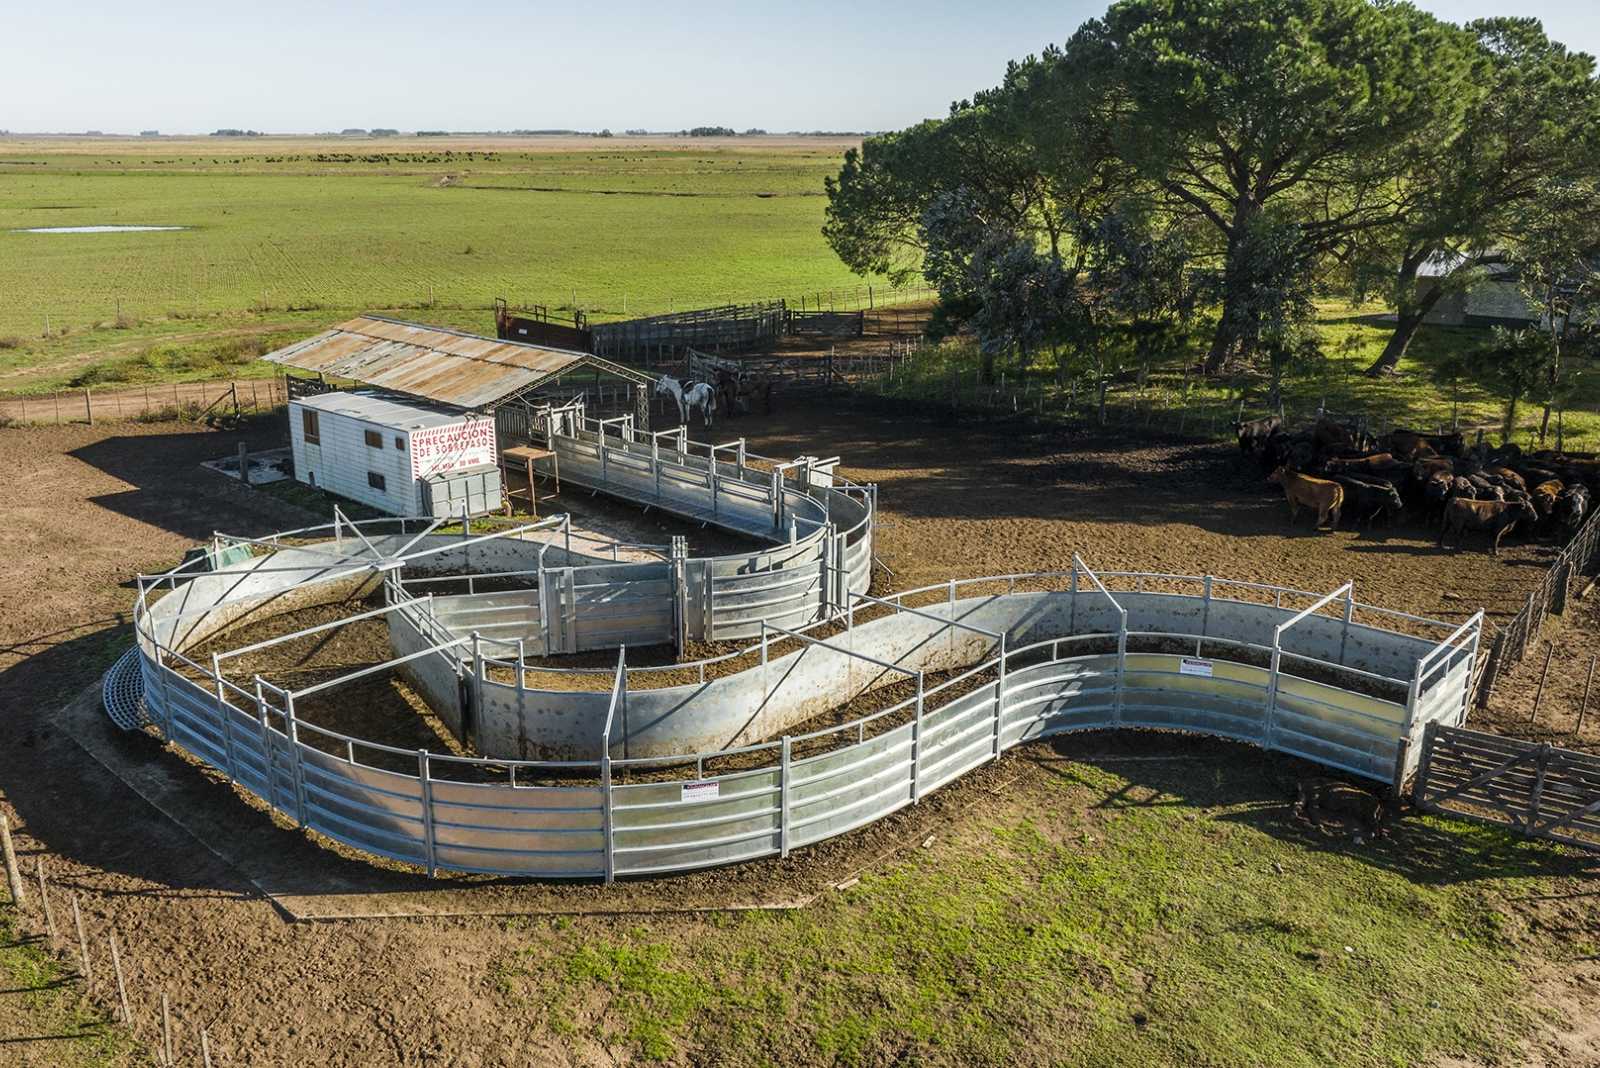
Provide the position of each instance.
(1254, 434)
(1572, 503)
(1485, 489)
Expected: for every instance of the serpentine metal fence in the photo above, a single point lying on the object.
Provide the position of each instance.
(1085, 651)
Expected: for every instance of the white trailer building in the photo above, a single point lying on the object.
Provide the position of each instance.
(396, 454)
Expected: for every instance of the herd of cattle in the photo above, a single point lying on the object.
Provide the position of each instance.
(1334, 471)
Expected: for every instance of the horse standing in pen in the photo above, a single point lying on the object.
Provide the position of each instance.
(696, 395)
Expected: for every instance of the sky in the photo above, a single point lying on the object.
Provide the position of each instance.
(292, 66)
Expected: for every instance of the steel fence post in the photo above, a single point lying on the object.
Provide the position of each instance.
(655, 465)
(1122, 666)
(916, 747)
(783, 800)
(999, 699)
(1272, 688)
(429, 846)
(222, 715)
(1072, 608)
(294, 755)
(607, 831)
(267, 748)
(1349, 614)
(764, 692)
(1413, 694)
(163, 676)
(477, 685)
(950, 625)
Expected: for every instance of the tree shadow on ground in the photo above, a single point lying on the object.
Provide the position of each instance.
(1257, 789)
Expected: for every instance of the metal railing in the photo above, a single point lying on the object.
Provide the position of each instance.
(573, 818)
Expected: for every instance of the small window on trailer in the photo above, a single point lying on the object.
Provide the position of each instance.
(400, 443)
(308, 422)
(375, 480)
(373, 438)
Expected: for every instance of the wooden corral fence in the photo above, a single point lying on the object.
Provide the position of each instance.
(1537, 789)
(795, 372)
(827, 323)
(146, 402)
(658, 338)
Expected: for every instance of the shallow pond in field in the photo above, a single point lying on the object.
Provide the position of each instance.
(93, 229)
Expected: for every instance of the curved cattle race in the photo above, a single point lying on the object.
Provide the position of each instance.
(833, 709)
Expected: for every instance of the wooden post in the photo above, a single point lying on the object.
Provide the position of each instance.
(205, 1048)
(13, 876)
(1584, 705)
(83, 943)
(122, 987)
(44, 902)
(1550, 648)
(166, 1030)
(88, 407)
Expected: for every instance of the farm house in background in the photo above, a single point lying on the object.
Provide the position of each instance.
(395, 454)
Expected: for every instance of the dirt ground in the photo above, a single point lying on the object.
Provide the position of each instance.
(88, 507)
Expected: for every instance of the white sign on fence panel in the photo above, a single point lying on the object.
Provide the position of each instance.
(701, 791)
(1190, 666)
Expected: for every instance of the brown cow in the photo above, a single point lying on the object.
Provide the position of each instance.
(1505, 474)
(1424, 470)
(1376, 462)
(1494, 517)
(1409, 445)
(1544, 497)
(1324, 497)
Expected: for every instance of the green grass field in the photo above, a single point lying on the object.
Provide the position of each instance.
(283, 228)
(1177, 915)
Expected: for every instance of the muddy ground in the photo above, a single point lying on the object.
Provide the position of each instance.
(87, 507)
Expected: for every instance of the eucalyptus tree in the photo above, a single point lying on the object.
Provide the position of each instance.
(1534, 120)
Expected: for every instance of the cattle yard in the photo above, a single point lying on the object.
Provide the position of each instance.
(1091, 521)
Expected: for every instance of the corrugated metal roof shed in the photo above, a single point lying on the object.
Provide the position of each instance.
(390, 410)
(448, 366)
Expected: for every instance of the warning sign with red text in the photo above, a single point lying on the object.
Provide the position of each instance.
(442, 449)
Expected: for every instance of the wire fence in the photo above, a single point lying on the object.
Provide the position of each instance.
(1576, 559)
(172, 400)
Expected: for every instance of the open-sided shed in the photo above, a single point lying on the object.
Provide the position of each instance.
(445, 366)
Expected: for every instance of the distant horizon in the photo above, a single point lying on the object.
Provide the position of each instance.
(622, 135)
(858, 68)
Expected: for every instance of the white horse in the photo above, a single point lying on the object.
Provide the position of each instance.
(696, 395)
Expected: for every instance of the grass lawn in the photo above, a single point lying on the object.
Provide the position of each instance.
(293, 227)
(1178, 915)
